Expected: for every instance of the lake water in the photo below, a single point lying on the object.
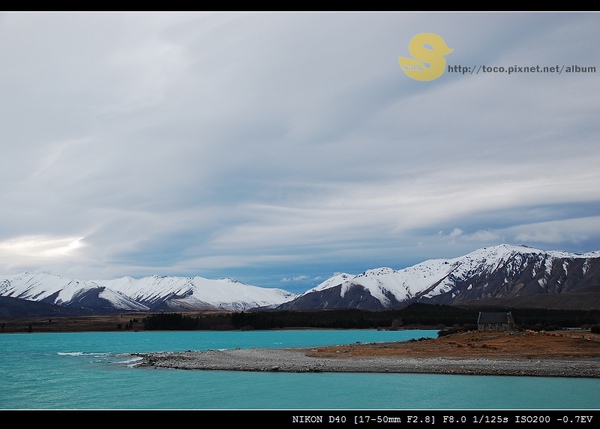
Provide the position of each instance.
(94, 371)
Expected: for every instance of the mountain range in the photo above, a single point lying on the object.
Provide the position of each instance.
(504, 275)
(500, 276)
(148, 294)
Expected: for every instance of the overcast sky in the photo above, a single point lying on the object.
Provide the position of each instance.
(281, 148)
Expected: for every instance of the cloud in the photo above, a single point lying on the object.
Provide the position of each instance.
(294, 279)
(42, 246)
(574, 231)
(268, 144)
(31, 251)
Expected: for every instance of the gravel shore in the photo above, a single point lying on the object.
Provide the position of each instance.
(296, 360)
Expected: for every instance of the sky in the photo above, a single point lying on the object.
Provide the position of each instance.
(281, 148)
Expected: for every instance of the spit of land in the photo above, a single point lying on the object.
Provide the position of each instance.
(526, 353)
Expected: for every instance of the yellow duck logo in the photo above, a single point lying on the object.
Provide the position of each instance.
(428, 62)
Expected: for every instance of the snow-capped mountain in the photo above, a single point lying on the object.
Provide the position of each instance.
(511, 274)
(503, 271)
(146, 294)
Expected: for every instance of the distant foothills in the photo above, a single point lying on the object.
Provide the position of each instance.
(504, 276)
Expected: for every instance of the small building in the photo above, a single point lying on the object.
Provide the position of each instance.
(495, 322)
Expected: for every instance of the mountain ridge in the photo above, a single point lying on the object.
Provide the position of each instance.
(153, 293)
(500, 274)
(503, 271)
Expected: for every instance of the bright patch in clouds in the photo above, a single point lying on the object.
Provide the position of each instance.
(41, 246)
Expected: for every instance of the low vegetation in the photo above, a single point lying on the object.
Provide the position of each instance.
(413, 316)
(447, 319)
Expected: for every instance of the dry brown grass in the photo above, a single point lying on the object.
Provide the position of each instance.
(99, 323)
(72, 324)
(526, 345)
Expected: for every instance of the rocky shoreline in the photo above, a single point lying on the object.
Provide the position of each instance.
(300, 361)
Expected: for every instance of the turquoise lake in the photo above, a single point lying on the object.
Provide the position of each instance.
(95, 371)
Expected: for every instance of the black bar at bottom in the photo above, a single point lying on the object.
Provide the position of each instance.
(314, 418)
